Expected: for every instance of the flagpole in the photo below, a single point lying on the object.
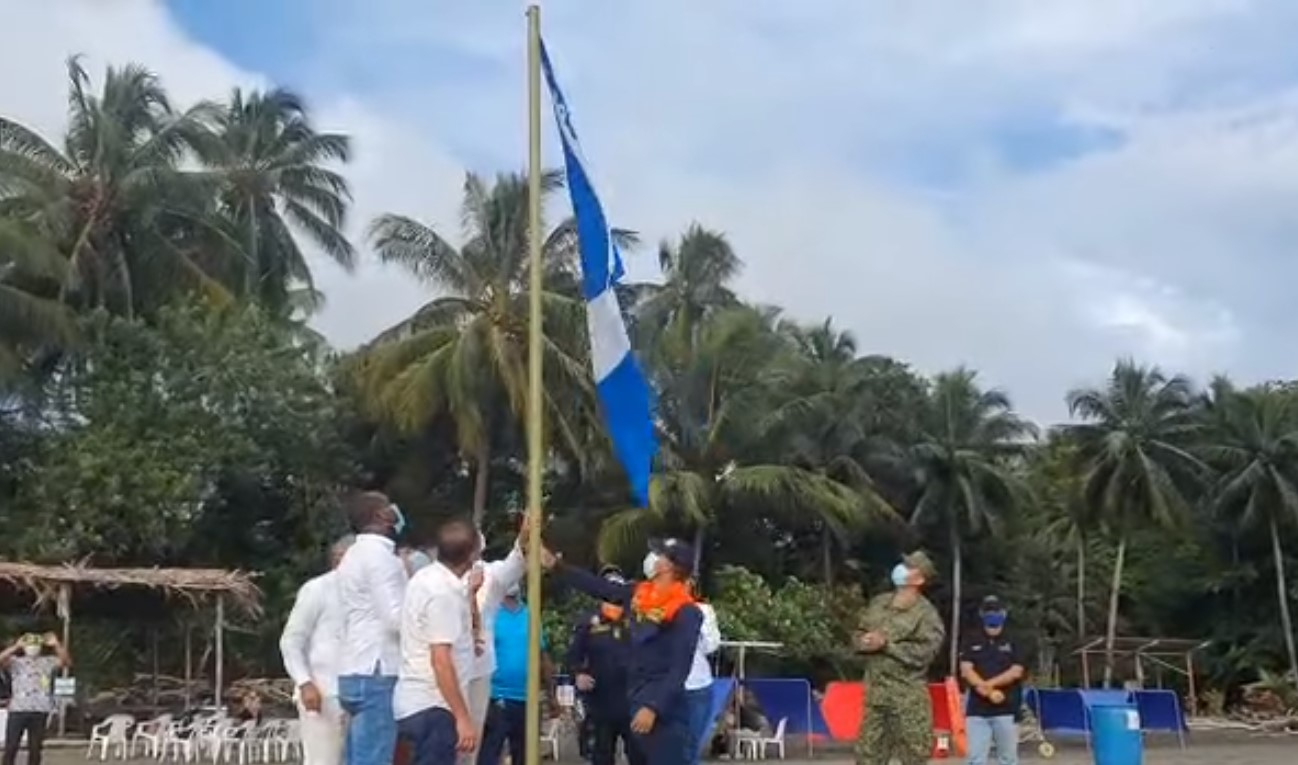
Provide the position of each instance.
(535, 442)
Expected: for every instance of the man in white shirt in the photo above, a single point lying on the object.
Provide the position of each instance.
(498, 577)
(698, 685)
(437, 653)
(310, 647)
(371, 586)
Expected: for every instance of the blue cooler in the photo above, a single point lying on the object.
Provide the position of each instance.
(1115, 735)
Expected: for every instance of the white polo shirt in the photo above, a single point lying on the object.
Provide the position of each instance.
(436, 612)
(700, 676)
(371, 586)
(312, 635)
(497, 577)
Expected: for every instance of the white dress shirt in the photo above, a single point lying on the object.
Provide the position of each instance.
(312, 635)
(497, 577)
(436, 612)
(709, 641)
(371, 587)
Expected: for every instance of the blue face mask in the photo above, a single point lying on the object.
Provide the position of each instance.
(994, 620)
(900, 575)
(399, 523)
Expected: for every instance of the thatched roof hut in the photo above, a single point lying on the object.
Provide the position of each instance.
(93, 588)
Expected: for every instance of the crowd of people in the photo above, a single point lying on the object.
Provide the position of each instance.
(429, 647)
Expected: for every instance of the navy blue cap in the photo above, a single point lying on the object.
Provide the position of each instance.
(679, 553)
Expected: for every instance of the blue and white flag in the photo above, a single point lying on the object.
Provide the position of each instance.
(622, 388)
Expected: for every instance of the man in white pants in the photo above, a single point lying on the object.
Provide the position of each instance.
(310, 645)
(497, 579)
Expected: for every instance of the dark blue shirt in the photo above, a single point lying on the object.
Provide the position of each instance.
(602, 649)
(661, 654)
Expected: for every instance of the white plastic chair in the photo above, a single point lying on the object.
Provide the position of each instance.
(757, 746)
(151, 734)
(234, 736)
(111, 732)
(178, 741)
(550, 738)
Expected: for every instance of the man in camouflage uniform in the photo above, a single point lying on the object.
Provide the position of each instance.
(901, 633)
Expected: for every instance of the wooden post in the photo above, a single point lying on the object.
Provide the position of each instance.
(153, 638)
(220, 651)
(1189, 679)
(189, 664)
(64, 608)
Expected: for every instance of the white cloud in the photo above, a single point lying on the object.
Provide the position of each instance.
(858, 153)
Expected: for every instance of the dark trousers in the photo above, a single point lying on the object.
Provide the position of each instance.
(668, 743)
(31, 723)
(609, 729)
(430, 735)
(506, 723)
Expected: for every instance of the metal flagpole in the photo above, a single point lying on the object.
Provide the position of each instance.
(535, 442)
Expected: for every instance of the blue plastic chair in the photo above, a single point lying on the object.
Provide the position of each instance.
(1160, 710)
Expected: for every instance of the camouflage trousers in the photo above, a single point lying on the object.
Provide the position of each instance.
(900, 726)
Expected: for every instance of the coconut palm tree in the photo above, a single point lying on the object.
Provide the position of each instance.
(960, 468)
(275, 178)
(709, 385)
(30, 270)
(1253, 442)
(1133, 442)
(110, 200)
(463, 355)
(817, 419)
(697, 272)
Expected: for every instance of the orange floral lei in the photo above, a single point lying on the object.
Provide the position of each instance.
(655, 604)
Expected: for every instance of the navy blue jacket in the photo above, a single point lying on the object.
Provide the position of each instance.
(602, 649)
(661, 654)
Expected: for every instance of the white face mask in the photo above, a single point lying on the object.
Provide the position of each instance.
(31, 650)
(651, 565)
(900, 575)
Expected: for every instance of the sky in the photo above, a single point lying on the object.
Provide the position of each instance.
(1031, 189)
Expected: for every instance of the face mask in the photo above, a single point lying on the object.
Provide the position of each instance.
(651, 565)
(399, 522)
(994, 620)
(417, 560)
(514, 592)
(31, 650)
(900, 575)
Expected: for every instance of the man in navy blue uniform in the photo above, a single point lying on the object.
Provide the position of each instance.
(598, 659)
(993, 667)
(665, 625)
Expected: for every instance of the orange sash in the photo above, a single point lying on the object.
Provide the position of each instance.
(657, 605)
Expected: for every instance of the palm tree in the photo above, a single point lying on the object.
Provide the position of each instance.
(709, 385)
(1133, 443)
(959, 461)
(463, 355)
(697, 272)
(272, 165)
(1068, 520)
(1254, 445)
(29, 319)
(111, 198)
(818, 420)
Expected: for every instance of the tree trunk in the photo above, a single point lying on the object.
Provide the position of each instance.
(481, 482)
(1111, 632)
(1081, 589)
(1282, 592)
(957, 585)
(698, 553)
(827, 551)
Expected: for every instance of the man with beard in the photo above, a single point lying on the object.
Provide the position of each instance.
(900, 635)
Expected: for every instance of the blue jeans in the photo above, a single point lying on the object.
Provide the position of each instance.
(431, 737)
(506, 724)
(698, 704)
(371, 730)
(983, 731)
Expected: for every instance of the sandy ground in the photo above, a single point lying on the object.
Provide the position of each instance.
(1202, 749)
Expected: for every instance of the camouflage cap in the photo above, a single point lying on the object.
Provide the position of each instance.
(919, 561)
